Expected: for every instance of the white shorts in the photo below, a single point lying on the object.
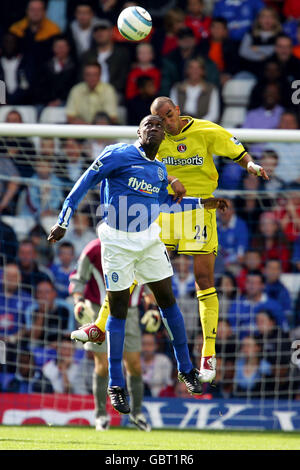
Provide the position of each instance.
(127, 256)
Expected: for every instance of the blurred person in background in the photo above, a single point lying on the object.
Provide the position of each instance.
(195, 95)
(283, 55)
(227, 289)
(168, 38)
(80, 30)
(252, 262)
(249, 208)
(139, 106)
(109, 55)
(271, 241)
(9, 244)
(80, 232)
(49, 318)
(259, 44)
(275, 289)
(62, 268)
(32, 272)
(97, 145)
(17, 71)
(36, 32)
(144, 66)
(57, 76)
(157, 368)
(64, 374)
(74, 160)
(239, 15)
(287, 212)
(251, 370)
(197, 20)
(242, 312)
(91, 96)
(233, 236)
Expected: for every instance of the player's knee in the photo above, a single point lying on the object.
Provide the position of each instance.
(204, 280)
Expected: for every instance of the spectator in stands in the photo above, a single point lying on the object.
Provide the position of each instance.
(223, 383)
(283, 55)
(173, 64)
(44, 196)
(242, 312)
(36, 32)
(91, 96)
(252, 371)
(291, 9)
(173, 23)
(252, 262)
(9, 188)
(62, 268)
(239, 15)
(226, 342)
(109, 55)
(195, 95)
(80, 233)
(74, 161)
(268, 115)
(45, 252)
(270, 73)
(227, 292)
(270, 240)
(158, 9)
(28, 377)
(139, 106)
(8, 245)
(80, 30)
(287, 213)
(20, 150)
(276, 344)
(259, 44)
(17, 71)
(97, 145)
(143, 66)
(31, 271)
(296, 48)
(156, 367)
(288, 168)
(249, 208)
(49, 318)
(64, 374)
(269, 160)
(233, 236)
(57, 76)
(296, 320)
(275, 289)
(13, 303)
(221, 49)
(197, 20)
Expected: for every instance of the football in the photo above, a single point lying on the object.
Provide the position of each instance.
(134, 23)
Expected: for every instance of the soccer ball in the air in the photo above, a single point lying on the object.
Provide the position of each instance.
(134, 23)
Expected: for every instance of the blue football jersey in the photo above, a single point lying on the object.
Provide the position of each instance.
(133, 187)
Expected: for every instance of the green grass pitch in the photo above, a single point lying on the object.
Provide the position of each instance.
(85, 438)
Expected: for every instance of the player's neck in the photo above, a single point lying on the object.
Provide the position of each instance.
(150, 150)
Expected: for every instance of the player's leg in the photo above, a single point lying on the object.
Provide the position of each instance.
(209, 311)
(132, 360)
(174, 323)
(102, 317)
(115, 327)
(100, 384)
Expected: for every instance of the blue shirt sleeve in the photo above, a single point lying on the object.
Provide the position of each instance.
(100, 169)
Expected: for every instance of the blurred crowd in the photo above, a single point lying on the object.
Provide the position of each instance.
(69, 55)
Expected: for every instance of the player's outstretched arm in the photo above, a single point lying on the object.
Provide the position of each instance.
(252, 168)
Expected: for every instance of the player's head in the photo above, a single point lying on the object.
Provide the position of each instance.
(151, 130)
(168, 112)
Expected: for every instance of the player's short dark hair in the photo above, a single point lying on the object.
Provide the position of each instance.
(269, 153)
(84, 3)
(66, 245)
(92, 63)
(284, 36)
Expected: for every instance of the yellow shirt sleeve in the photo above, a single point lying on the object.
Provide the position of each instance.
(224, 144)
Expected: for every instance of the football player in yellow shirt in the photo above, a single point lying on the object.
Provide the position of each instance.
(187, 152)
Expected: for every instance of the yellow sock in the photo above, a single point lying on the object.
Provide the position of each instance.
(104, 310)
(209, 313)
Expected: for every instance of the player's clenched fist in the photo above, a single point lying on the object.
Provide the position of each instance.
(215, 203)
(56, 233)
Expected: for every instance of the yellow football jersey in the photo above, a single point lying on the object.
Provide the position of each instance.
(189, 155)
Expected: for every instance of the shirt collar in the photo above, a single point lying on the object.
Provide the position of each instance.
(142, 151)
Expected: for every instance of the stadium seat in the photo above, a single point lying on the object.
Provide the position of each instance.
(233, 116)
(28, 113)
(53, 115)
(237, 92)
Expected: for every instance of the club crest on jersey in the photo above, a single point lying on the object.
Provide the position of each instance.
(97, 165)
(115, 277)
(181, 148)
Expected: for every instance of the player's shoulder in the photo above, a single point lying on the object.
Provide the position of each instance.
(203, 124)
(92, 247)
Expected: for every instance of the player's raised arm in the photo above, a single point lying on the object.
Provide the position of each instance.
(249, 165)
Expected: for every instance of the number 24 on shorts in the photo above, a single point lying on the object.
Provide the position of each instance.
(200, 235)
